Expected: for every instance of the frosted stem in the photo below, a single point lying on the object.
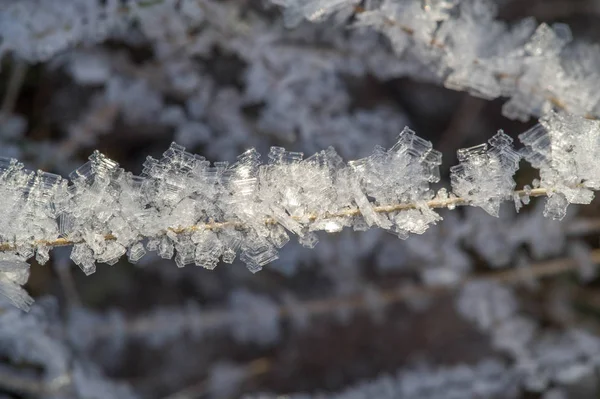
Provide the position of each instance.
(449, 203)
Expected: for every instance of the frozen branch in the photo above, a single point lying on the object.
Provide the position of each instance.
(182, 205)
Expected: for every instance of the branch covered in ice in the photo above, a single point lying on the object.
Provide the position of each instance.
(184, 206)
(181, 202)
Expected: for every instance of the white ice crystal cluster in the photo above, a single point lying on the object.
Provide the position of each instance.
(565, 149)
(184, 206)
(31, 202)
(484, 175)
(377, 177)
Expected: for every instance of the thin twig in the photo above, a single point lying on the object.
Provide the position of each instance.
(433, 204)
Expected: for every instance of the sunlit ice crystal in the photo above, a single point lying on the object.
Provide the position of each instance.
(565, 148)
(186, 208)
(484, 175)
(401, 174)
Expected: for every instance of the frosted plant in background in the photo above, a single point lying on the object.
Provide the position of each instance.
(460, 40)
(487, 379)
(37, 30)
(541, 358)
(35, 339)
(486, 303)
(312, 10)
(12, 128)
(463, 44)
(255, 318)
(182, 190)
(551, 360)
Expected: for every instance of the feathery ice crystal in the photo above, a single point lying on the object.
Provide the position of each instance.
(184, 206)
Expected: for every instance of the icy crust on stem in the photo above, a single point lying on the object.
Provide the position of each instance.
(484, 176)
(183, 206)
(400, 175)
(565, 149)
(202, 213)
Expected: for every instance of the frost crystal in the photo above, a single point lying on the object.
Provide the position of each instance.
(381, 179)
(484, 176)
(202, 213)
(487, 379)
(565, 148)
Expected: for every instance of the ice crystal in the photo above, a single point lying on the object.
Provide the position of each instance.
(565, 149)
(485, 174)
(182, 190)
(184, 207)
